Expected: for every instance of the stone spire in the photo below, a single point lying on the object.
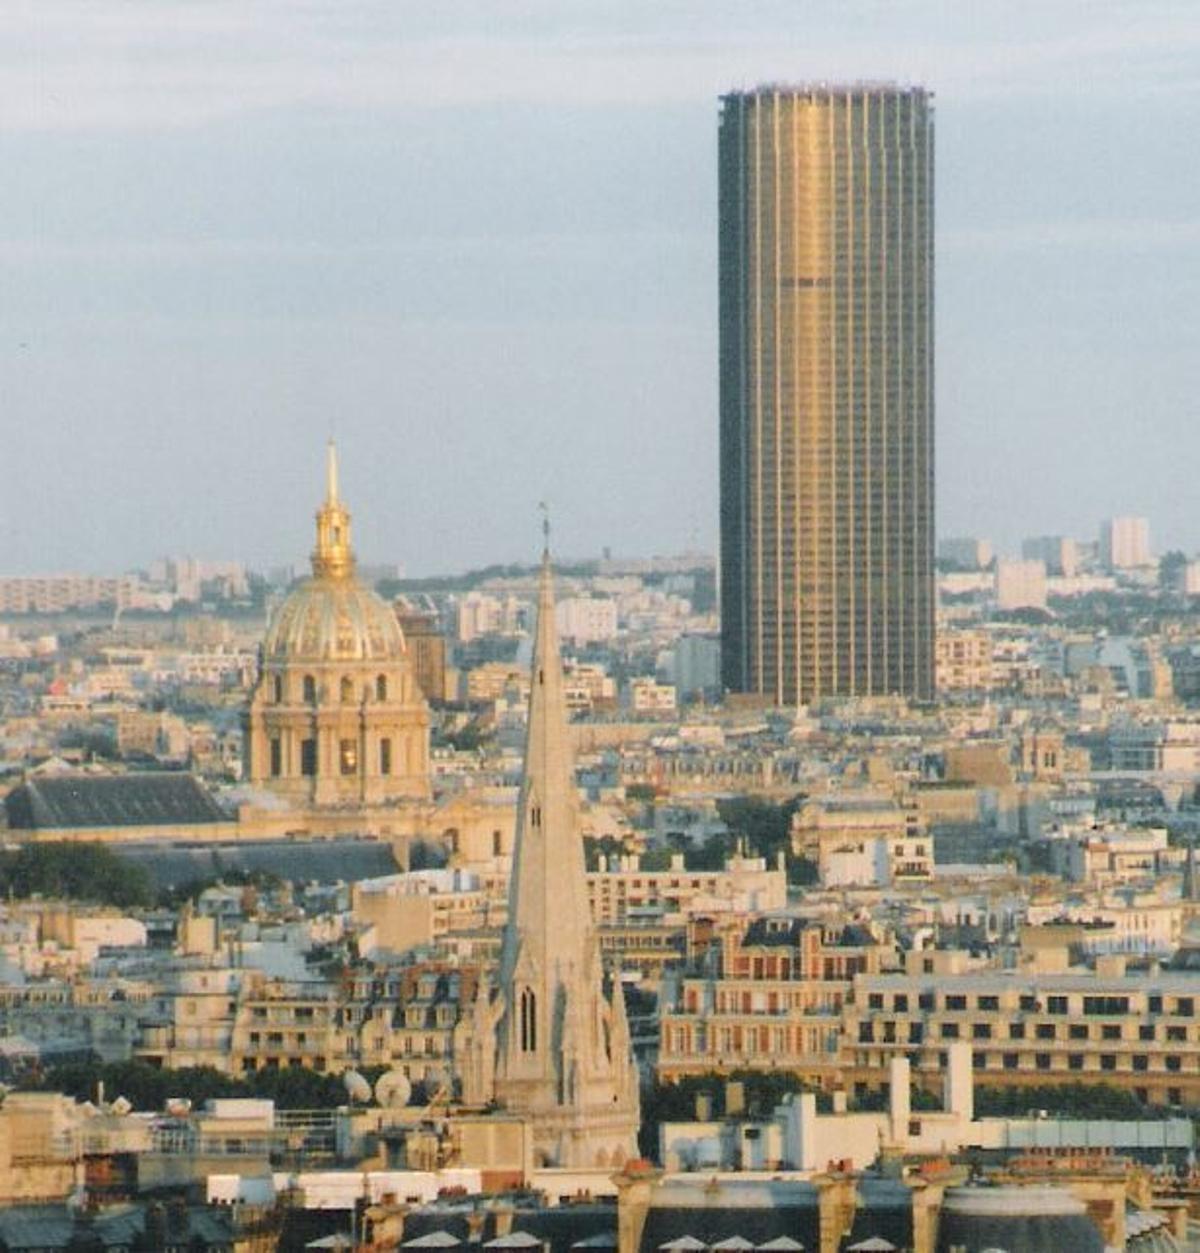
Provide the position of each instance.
(563, 1054)
(333, 557)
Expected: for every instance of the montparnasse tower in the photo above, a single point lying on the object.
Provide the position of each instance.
(563, 1055)
(336, 718)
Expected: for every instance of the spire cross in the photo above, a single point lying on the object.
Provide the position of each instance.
(545, 511)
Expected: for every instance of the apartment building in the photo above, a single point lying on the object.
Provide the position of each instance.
(771, 1000)
(1135, 1030)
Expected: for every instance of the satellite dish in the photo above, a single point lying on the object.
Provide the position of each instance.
(357, 1088)
(393, 1089)
(121, 1106)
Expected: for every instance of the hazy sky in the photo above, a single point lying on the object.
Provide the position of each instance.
(477, 243)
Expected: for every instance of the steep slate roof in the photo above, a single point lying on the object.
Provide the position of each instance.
(166, 799)
(559, 1226)
(758, 1212)
(41, 1227)
(302, 861)
(884, 1210)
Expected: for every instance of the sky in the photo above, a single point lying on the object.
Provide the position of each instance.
(475, 242)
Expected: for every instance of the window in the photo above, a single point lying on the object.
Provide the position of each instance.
(875, 1000)
(1074, 1061)
(1185, 1007)
(1106, 1005)
(900, 1003)
(347, 690)
(956, 1002)
(308, 757)
(1044, 1031)
(385, 756)
(925, 1000)
(497, 844)
(1016, 1031)
(979, 1061)
(1146, 1031)
(310, 688)
(981, 1031)
(1042, 1061)
(528, 1023)
(347, 756)
(1110, 1031)
(1029, 1003)
(989, 1002)
(1155, 1004)
(1078, 1031)
(1177, 1035)
(1174, 1062)
(1141, 1062)
(277, 689)
(1108, 1061)
(949, 1031)
(1010, 1061)
(381, 687)
(276, 758)
(1056, 1004)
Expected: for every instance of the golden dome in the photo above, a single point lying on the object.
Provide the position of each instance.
(334, 620)
(332, 616)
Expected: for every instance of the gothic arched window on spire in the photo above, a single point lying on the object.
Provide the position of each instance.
(528, 1023)
(535, 815)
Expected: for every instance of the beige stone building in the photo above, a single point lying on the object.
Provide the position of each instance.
(336, 718)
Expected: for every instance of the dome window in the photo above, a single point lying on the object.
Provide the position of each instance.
(381, 687)
(347, 691)
(310, 688)
(277, 687)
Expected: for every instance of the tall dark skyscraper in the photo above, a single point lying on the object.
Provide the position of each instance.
(826, 330)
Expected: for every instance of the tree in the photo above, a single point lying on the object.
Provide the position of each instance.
(149, 1087)
(82, 872)
(1070, 1100)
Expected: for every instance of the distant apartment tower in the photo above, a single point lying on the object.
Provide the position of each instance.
(1020, 584)
(1059, 554)
(1124, 543)
(964, 552)
(826, 391)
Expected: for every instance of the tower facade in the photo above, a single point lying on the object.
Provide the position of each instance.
(826, 392)
(336, 717)
(562, 1055)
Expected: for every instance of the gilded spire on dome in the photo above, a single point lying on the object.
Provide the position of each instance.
(332, 558)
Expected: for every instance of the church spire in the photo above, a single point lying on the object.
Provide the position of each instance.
(563, 1056)
(331, 473)
(333, 557)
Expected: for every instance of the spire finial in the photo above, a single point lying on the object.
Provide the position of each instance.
(331, 473)
(332, 557)
(545, 512)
